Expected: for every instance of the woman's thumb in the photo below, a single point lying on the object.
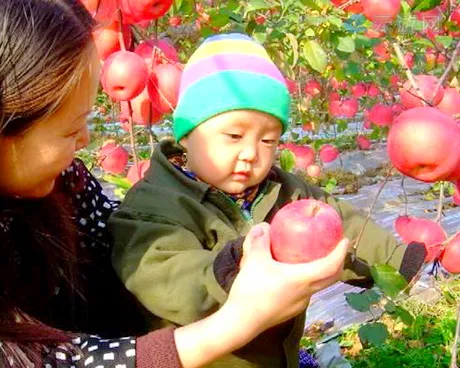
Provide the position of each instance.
(258, 240)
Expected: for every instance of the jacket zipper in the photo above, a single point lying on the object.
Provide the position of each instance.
(247, 215)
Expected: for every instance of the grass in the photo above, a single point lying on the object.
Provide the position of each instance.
(426, 343)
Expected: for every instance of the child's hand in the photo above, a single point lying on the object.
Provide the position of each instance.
(266, 292)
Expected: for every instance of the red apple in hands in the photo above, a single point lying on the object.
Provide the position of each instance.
(124, 75)
(427, 85)
(379, 11)
(424, 231)
(450, 257)
(304, 230)
(424, 143)
(113, 158)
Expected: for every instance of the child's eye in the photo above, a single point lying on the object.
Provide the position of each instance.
(270, 142)
(234, 136)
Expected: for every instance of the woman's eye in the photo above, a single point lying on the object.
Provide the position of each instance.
(269, 141)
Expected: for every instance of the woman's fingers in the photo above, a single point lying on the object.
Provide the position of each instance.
(326, 267)
(257, 241)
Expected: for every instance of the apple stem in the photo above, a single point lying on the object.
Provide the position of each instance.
(355, 243)
(348, 3)
(409, 74)
(406, 202)
(453, 361)
(447, 70)
(121, 39)
(131, 136)
(440, 203)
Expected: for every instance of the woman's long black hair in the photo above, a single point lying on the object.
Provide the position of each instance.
(45, 45)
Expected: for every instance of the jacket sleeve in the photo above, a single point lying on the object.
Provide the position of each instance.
(157, 349)
(376, 246)
(168, 268)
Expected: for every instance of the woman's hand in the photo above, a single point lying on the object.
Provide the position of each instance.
(264, 294)
(269, 292)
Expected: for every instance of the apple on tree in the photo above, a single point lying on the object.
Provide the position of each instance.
(450, 257)
(304, 230)
(423, 143)
(112, 157)
(124, 75)
(424, 231)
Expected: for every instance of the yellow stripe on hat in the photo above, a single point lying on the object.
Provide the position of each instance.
(228, 47)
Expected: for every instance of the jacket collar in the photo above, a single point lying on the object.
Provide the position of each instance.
(163, 173)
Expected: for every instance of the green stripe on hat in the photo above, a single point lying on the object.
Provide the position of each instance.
(226, 91)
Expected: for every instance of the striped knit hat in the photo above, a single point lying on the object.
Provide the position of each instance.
(229, 72)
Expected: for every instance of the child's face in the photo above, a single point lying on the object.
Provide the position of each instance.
(233, 150)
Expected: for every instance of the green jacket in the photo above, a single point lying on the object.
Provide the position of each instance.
(173, 250)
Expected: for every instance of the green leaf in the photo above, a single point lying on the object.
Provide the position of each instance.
(372, 296)
(352, 69)
(220, 20)
(358, 302)
(446, 41)
(373, 334)
(422, 42)
(254, 5)
(405, 316)
(390, 307)
(287, 160)
(342, 126)
(330, 185)
(295, 48)
(424, 5)
(206, 31)
(346, 44)
(120, 182)
(312, 4)
(388, 279)
(315, 55)
(260, 36)
(310, 32)
(336, 21)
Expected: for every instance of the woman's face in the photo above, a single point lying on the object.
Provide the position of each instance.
(31, 161)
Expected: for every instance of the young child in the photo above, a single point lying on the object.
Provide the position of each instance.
(176, 234)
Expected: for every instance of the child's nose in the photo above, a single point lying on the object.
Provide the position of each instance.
(248, 153)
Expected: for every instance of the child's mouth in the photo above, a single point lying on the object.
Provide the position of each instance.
(241, 175)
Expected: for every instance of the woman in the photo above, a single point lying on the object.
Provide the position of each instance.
(56, 282)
